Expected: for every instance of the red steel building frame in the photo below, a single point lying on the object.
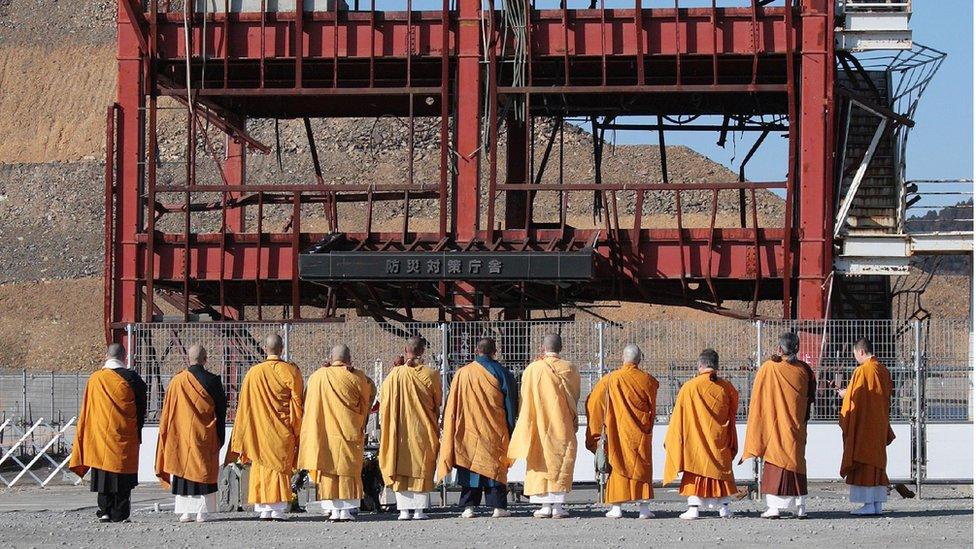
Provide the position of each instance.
(761, 58)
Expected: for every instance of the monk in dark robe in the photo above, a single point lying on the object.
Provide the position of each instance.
(191, 433)
(479, 418)
(782, 396)
(113, 410)
(867, 432)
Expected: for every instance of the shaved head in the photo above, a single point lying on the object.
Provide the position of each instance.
(864, 345)
(197, 355)
(416, 345)
(486, 346)
(115, 351)
(273, 344)
(552, 343)
(632, 354)
(340, 353)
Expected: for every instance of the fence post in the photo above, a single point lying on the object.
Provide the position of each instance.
(445, 341)
(756, 476)
(53, 417)
(919, 411)
(286, 329)
(25, 394)
(600, 363)
(129, 339)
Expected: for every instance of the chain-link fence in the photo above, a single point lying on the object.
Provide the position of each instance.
(940, 349)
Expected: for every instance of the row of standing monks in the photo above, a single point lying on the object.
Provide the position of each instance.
(488, 424)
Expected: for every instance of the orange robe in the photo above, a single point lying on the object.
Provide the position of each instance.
(865, 427)
(266, 429)
(545, 432)
(475, 435)
(622, 405)
(410, 403)
(109, 426)
(701, 439)
(189, 444)
(778, 413)
(336, 409)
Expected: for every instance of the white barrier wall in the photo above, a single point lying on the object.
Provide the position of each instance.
(824, 453)
(949, 451)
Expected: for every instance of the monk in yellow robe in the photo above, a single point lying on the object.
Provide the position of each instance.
(782, 395)
(545, 433)
(479, 417)
(410, 403)
(108, 435)
(191, 433)
(333, 433)
(266, 429)
(866, 430)
(701, 439)
(621, 408)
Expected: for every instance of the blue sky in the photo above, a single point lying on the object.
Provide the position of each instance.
(941, 144)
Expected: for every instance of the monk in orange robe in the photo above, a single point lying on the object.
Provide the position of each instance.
(545, 433)
(782, 396)
(410, 403)
(479, 416)
(866, 430)
(622, 408)
(109, 432)
(266, 429)
(701, 439)
(191, 433)
(333, 433)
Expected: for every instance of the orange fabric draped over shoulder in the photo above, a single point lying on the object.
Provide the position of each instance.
(701, 437)
(410, 402)
(545, 433)
(269, 416)
(336, 409)
(108, 430)
(188, 445)
(864, 417)
(475, 434)
(777, 428)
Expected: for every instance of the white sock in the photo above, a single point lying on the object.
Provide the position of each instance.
(557, 507)
(546, 508)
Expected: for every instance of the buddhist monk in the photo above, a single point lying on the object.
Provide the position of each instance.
(109, 432)
(410, 403)
(266, 429)
(545, 433)
(478, 421)
(621, 408)
(333, 433)
(191, 433)
(866, 430)
(782, 396)
(701, 439)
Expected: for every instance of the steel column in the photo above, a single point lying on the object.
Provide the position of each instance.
(815, 154)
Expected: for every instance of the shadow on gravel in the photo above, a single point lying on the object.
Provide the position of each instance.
(921, 513)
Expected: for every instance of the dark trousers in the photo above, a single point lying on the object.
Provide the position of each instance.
(495, 497)
(114, 504)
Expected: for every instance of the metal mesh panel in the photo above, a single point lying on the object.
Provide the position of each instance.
(948, 387)
(159, 353)
(671, 350)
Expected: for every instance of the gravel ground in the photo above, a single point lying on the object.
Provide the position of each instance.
(943, 519)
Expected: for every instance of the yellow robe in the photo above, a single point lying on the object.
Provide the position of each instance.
(188, 445)
(545, 432)
(865, 425)
(336, 409)
(107, 437)
(701, 439)
(266, 429)
(475, 434)
(622, 405)
(777, 428)
(410, 402)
